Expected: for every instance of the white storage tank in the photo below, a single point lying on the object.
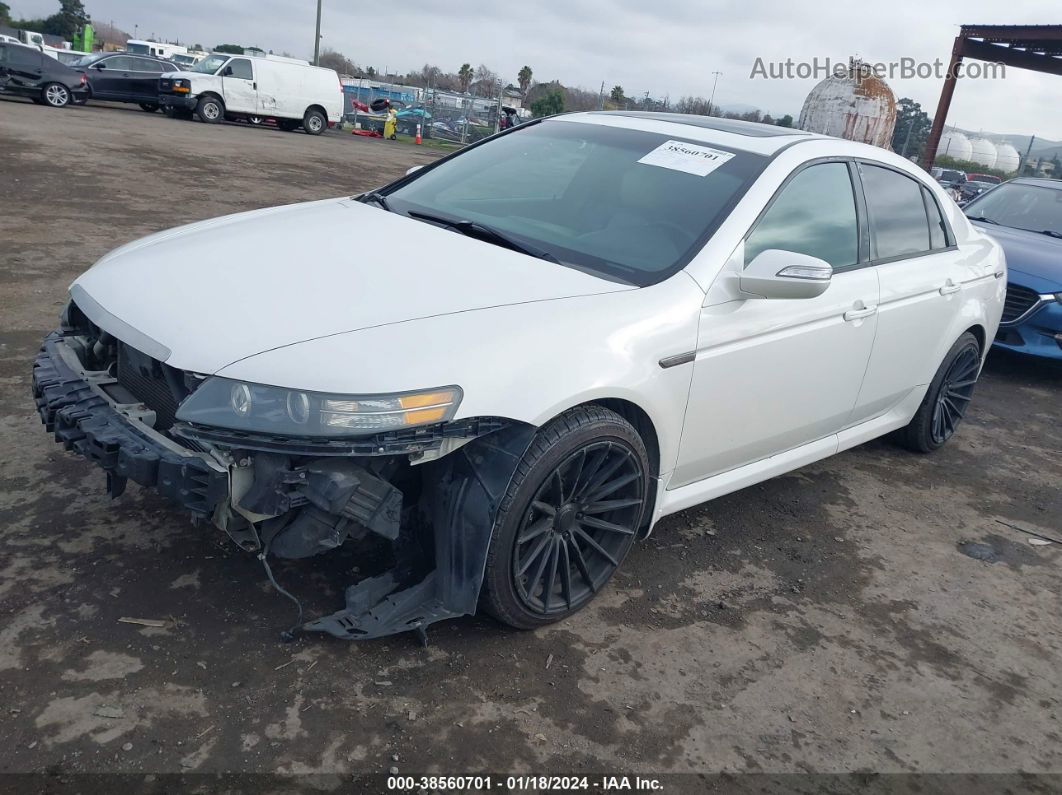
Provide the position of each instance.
(857, 106)
(955, 145)
(1007, 158)
(983, 152)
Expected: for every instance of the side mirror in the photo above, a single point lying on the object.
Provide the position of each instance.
(226, 72)
(100, 66)
(775, 273)
(413, 169)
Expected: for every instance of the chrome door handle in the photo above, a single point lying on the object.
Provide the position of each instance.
(950, 288)
(856, 314)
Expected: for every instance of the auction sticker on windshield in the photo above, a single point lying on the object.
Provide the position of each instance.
(691, 158)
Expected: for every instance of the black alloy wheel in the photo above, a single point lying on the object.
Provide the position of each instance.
(576, 502)
(946, 400)
(578, 528)
(954, 394)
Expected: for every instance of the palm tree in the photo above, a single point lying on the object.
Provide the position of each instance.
(465, 74)
(524, 77)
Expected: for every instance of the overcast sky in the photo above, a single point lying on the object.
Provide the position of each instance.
(661, 46)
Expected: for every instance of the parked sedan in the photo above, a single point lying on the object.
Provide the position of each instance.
(121, 77)
(623, 315)
(28, 72)
(1025, 216)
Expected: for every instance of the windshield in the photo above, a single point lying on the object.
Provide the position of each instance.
(1030, 207)
(622, 203)
(210, 64)
(88, 60)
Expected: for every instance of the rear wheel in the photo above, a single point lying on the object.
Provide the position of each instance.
(56, 95)
(149, 107)
(210, 110)
(314, 122)
(255, 120)
(568, 519)
(947, 398)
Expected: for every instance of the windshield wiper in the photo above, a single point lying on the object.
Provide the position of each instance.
(377, 197)
(1051, 233)
(982, 218)
(485, 233)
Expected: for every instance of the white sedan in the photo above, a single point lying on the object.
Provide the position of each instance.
(598, 319)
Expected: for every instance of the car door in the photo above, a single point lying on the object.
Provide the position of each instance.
(142, 84)
(921, 278)
(22, 69)
(110, 77)
(771, 375)
(238, 87)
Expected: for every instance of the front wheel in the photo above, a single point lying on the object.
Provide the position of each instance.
(314, 122)
(210, 110)
(56, 95)
(148, 107)
(947, 398)
(568, 519)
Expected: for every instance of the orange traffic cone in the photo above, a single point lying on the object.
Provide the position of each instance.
(418, 135)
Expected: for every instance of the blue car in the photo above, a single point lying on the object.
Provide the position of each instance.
(1025, 217)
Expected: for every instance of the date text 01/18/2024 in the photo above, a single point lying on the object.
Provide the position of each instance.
(523, 783)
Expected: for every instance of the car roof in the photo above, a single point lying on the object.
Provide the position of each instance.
(1041, 181)
(763, 139)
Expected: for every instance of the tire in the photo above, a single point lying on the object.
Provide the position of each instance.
(547, 558)
(149, 107)
(256, 121)
(210, 110)
(55, 95)
(314, 122)
(946, 400)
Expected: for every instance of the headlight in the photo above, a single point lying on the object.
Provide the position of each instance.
(225, 403)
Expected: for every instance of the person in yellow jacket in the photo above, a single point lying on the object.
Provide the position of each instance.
(391, 124)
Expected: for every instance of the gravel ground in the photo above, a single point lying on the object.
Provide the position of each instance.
(826, 621)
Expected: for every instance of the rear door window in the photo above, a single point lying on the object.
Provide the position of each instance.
(147, 65)
(814, 214)
(121, 63)
(898, 223)
(22, 57)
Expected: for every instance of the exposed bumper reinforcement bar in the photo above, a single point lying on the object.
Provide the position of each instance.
(85, 421)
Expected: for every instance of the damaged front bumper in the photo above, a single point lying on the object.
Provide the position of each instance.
(432, 493)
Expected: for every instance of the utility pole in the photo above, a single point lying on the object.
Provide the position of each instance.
(711, 101)
(317, 38)
(1024, 160)
(601, 97)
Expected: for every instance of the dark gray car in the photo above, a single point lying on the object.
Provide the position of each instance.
(28, 72)
(124, 77)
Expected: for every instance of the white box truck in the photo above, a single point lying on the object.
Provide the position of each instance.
(223, 86)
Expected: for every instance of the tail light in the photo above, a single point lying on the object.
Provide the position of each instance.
(84, 78)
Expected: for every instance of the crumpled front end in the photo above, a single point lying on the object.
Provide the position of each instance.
(430, 492)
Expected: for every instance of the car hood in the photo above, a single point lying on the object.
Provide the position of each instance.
(1030, 253)
(203, 296)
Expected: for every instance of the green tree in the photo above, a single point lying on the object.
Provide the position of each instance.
(465, 75)
(616, 95)
(524, 78)
(912, 128)
(5, 15)
(785, 121)
(70, 18)
(232, 49)
(549, 104)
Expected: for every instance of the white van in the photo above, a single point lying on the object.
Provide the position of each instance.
(222, 86)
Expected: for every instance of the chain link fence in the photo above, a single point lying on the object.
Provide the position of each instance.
(445, 115)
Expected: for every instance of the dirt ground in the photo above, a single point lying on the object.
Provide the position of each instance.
(826, 621)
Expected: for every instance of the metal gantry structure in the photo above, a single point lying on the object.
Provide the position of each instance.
(1034, 47)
